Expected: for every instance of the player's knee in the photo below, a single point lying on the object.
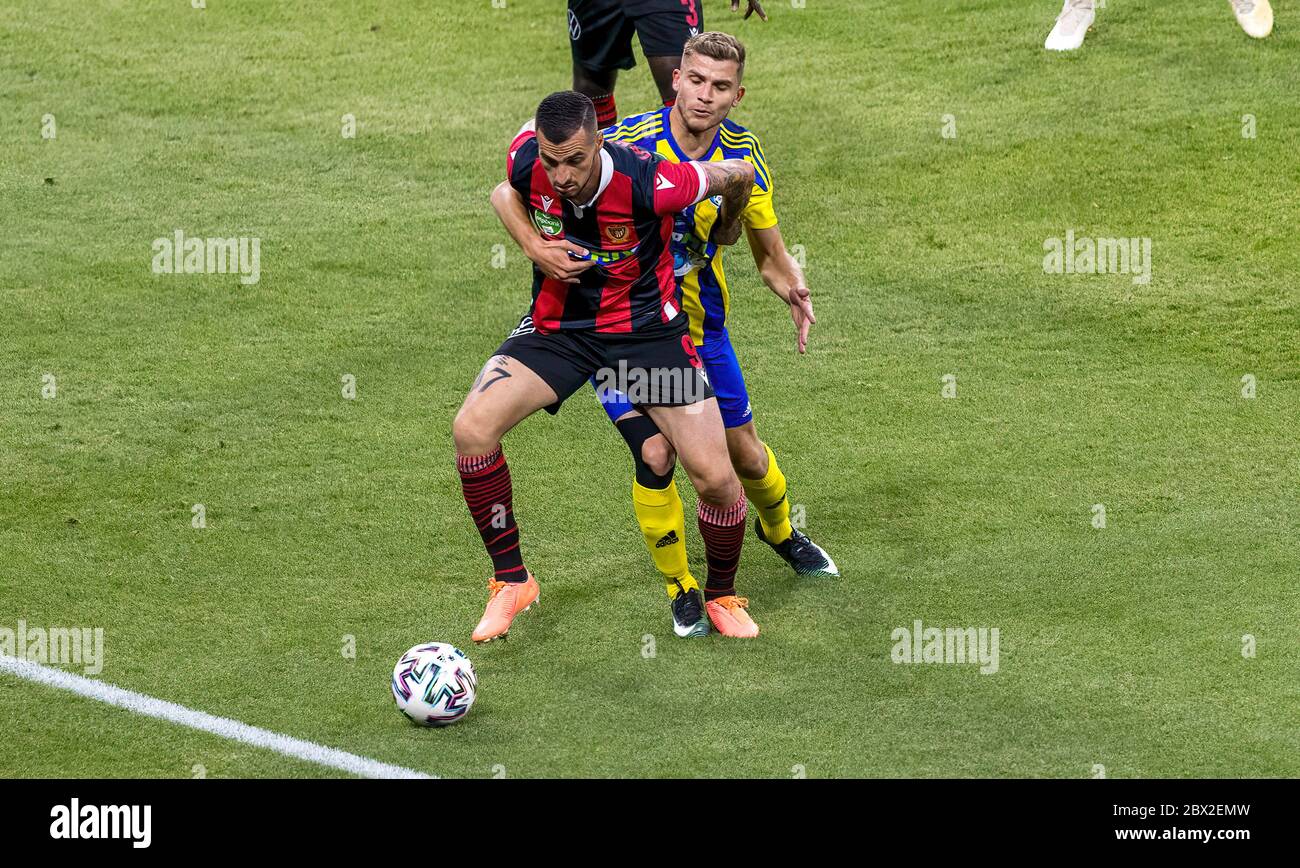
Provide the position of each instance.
(652, 455)
(659, 455)
(472, 433)
(718, 489)
(750, 461)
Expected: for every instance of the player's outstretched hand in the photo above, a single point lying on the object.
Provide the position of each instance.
(552, 257)
(754, 6)
(802, 313)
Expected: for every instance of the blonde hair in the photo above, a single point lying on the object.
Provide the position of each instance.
(719, 46)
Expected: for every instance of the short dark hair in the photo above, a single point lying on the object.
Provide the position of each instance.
(563, 113)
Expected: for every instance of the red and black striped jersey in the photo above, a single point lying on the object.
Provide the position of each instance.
(627, 227)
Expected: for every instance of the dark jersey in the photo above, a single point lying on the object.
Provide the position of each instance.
(628, 230)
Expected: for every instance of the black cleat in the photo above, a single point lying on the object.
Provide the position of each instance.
(805, 556)
(688, 614)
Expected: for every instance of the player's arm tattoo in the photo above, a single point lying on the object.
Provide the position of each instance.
(732, 177)
(733, 180)
(493, 372)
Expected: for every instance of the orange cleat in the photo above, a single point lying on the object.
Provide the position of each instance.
(730, 618)
(505, 600)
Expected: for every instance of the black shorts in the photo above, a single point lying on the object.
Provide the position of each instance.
(663, 371)
(601, 30)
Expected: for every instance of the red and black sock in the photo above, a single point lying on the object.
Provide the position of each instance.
(485, 479)
(670, 102)
(606, 114)
(724, 533)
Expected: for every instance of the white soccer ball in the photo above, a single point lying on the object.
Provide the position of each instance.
(434, 684)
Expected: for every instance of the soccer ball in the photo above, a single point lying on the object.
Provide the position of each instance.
(434, 684)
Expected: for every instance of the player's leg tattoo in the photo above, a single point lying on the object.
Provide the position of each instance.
(494, 371)
(487, 414)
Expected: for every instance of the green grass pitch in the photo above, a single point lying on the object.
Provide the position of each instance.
(1121, 646)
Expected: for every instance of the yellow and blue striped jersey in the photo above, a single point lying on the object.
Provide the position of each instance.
(698, 261)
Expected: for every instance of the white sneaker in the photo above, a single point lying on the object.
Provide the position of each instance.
(1072, 25)
(1254, 16)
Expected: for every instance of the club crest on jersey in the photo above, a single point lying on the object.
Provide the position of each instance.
(547, 224)
(617, 233)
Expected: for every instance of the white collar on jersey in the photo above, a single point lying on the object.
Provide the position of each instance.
(606, 173)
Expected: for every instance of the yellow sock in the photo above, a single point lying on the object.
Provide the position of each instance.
(663, 524)
(768, 496)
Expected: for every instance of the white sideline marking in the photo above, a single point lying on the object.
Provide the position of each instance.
(222, 726)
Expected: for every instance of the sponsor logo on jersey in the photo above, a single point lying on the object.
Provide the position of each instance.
(608, 257)
(547, 224)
